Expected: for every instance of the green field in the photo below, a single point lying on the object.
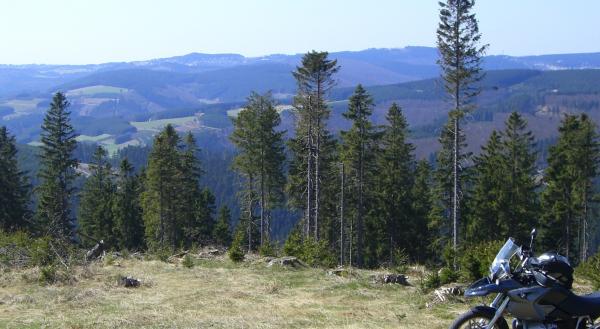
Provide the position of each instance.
(107, 141)
(95, 90)
(280, 108)
(158, 125)
(22, 106)
(99, 138)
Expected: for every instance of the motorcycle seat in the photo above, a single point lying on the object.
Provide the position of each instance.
(583, 305)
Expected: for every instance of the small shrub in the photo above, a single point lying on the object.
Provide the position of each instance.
(47, 275)
(125, 253)
(188, 261)
(22, 250)
(317, 253)
(447, 275)
(267, 250)
(109, 259)
(431, 281)
(309, 250)
(236, 254)
(162, 254)
(400, 261)
(293, 244)
(476, 259)
(448, 255)
(590, 270)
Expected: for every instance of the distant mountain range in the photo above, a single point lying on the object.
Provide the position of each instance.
(120, 104)
(369, 67)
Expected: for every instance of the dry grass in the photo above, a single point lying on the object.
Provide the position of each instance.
(214, 294)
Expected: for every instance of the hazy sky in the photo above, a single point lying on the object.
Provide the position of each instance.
(95, 31)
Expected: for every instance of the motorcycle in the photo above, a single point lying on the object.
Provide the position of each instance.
(536, 292)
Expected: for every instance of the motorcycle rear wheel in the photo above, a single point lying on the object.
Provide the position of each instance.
(478, 318)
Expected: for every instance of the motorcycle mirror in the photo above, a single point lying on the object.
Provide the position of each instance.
(533, 235)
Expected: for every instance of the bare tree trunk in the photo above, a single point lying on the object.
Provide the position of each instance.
(317, 182)
(584, 244)
(455, 202)
(250, 215)
(568, 233)
(351, 239)
(161, 214)
(262, 200)
(360, 220)
(342, 216)
(317, 156)
(309, 187)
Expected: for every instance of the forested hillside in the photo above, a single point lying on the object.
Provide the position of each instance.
(254, 172)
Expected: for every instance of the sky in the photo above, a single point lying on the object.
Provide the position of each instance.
(98, 31)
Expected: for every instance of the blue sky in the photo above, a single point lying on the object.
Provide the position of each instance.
(96, 31)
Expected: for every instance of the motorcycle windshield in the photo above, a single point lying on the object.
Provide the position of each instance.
(501, 264)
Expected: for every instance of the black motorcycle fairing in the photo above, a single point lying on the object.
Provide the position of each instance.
(556, 303)
(484, 286)
(585, 305)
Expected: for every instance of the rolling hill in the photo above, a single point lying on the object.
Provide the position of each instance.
(114, 100)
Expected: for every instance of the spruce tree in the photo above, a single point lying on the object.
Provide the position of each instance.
(15, 191)
(126, 208)
(195, 206)
(160, 197)
(222, 232)
(488, 203)
(204, 218)
(395, 173)
(421, 197)
(311, 149)
(176, 211)
(260, 159)
(95, 213)
(587, 157)
(571, 168)
(358, 152)
(458, 39)
(441, 214)
(519, 182)
(57, 169)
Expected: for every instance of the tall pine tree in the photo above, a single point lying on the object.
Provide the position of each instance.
(458, 40)
(312, 147)
(565, 201)
(195, 205)
(519, 182)
(358, 152)
(260, 159)
(395, 174)
(57, 169)
(441, 214)
(422, 196)
(160, 197)
(15, 191)
(488, 202)
(587, 157)
(95, 211)
(126, 208)
(222, 232)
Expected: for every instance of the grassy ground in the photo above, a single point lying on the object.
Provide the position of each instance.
(214, 294)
